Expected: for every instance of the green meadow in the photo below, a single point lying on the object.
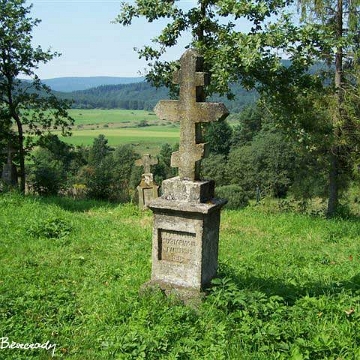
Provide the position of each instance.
(122, 127)
(119, 116)
(140, 138)
(288, 286)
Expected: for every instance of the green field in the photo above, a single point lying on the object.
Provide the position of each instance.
(150, 138)
(288, 286)
(119, 116)
(122, 127)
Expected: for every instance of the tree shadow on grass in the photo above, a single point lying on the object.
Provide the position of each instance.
(74, 205)
(289, 292)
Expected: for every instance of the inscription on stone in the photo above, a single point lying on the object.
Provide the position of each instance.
(176, 246)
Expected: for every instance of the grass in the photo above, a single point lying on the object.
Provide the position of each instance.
(148, 138)
(288, 286)
(98, 116)
(122, 127)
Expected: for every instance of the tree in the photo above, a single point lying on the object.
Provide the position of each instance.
(254, 60)
(28, 105)
(230, 55)
(125, 178)
(163, 170)
(99, 150)
(339, 24)
(214, 168)
(70, 158)
(218, 136)
(268, 162)
(250, 121)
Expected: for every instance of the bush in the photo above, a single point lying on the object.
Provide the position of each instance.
(47, 176)
(235, 196)
(214, 167)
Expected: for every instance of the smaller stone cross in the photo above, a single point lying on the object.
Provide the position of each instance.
(146, 161)
(191, 111)
(9, 173)
(10, 151)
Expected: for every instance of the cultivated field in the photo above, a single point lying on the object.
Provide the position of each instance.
(142, 129)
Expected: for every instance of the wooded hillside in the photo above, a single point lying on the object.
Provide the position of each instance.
(142, 96)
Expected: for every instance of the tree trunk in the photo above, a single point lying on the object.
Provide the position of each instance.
(21, 152)
(335, 152)
(333, 201)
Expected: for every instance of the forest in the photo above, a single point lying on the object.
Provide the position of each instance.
(142, 96)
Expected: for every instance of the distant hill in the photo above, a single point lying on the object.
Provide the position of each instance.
(69, 84)
(134, 93)
(142, 96)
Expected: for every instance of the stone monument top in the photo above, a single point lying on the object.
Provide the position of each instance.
(146, 161)
(191, 111)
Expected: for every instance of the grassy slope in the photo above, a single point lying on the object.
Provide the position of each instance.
(289, 286)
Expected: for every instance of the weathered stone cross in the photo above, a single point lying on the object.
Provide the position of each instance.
(191, 111)
(146, 161)
(9, 151)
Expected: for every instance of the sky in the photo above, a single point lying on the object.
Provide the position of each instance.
(81, 30)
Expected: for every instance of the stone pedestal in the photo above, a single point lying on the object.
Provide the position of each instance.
(185, 235)
(147, 190)
(9, 175)
(187, 217)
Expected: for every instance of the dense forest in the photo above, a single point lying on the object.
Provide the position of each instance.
(142, 96)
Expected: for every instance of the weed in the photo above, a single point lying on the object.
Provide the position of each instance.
(50, 228)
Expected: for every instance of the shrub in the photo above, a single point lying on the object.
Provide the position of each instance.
(235, 195)
(47, 176)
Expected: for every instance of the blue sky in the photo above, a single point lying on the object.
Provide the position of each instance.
(90, 45)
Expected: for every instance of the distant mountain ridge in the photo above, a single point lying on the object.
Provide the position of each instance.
(133, 93)
(70, 84)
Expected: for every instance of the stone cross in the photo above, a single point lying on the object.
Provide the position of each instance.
(9, 173)
(146, 161)
(191, 111)
(9, 151)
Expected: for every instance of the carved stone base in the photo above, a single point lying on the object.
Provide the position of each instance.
(185, 240)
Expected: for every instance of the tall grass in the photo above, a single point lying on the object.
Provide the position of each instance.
(288, 286)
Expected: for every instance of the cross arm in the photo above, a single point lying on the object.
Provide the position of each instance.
(167, 110)
(208, 112)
